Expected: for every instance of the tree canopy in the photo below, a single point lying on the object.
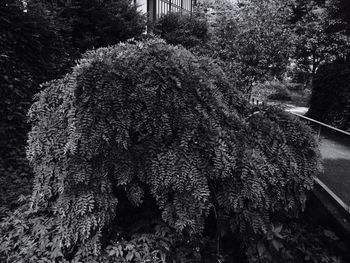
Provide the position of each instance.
(251, 38)
(320, 36)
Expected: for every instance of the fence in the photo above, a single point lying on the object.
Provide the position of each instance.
(335, 151)
(332, 187)
(158, 8)
(255, 101)
(326, 129)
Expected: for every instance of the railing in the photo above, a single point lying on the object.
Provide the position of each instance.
(321, 127)
(158, 8)
(331, 139)
(255, 101)
(337, 138)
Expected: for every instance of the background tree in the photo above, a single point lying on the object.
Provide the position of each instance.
(31, 51)
(330, 96)
(252, 38)
(319, 38)
(96, 23)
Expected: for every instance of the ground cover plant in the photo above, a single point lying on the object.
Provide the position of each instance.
(144, 151)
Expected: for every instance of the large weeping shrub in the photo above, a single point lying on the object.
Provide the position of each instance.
(139, 147)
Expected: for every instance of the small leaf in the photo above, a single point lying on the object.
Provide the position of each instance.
(278, 229)
(330, 235)
(277, 244)
(261, 249)
(111, 253)
(129, 256)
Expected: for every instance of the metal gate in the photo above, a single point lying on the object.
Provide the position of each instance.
(158, 8)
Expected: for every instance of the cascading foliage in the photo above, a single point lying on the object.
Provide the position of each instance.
(146, 124)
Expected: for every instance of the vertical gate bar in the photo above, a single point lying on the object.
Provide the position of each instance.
(148, 4)
(154, 10)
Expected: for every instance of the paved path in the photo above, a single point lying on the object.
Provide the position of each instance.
(336, 161)
(294, 109)
(335, 152)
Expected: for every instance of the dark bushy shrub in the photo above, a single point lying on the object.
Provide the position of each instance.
(281, 95)
(143, 143)
(96, 23)
(187, 30)
(330, 99)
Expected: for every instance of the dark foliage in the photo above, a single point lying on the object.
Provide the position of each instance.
(187, 30)
(31, 51)
(95, 23)
(340, 12)
(281, 95)
(330, 100)
(39, 42)
(321, 35)
(299, 243)
(150, 130)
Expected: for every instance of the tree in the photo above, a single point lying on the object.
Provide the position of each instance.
(339, 11)
(252, 38)
(330, 91)
(318, 37)
(143, 143)
(96, 23)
